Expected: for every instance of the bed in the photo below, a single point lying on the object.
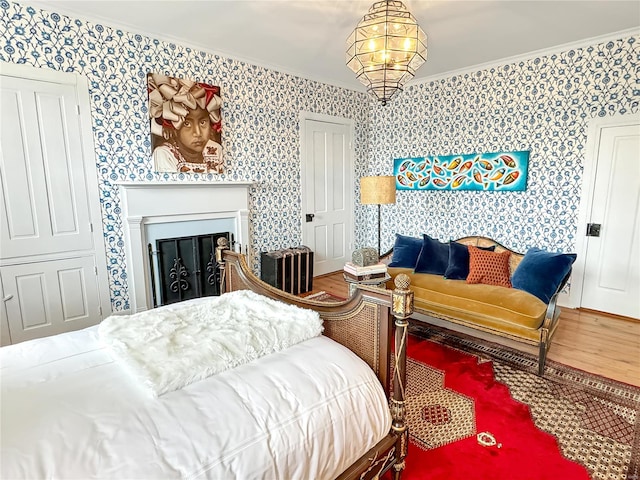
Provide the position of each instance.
(71, 409)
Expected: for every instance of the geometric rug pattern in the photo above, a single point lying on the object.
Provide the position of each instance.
(437, 415)
(595, 420)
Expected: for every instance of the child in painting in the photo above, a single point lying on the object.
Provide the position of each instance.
(185, 125)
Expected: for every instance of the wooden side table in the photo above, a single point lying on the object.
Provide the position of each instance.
(376, 282)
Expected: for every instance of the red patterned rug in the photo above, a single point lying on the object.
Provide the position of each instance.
(465, 424)
(478, 410)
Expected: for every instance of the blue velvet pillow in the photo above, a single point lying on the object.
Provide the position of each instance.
(405, 251)
(540, 272)
(458, 262)
(434, 256)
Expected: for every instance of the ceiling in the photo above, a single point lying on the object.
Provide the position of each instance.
(308, 37)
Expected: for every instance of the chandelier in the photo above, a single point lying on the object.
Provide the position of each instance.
(386, 49)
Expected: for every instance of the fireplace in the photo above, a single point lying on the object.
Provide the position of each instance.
(185, 267)
(151, 206)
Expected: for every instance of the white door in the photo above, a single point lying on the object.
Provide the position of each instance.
(44, 199)
(46, 298)
(612, 264)
(52, 259)
(327, 195)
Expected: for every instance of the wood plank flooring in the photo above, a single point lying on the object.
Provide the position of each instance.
(592, 341)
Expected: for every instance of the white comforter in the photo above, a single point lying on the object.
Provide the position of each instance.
(69, 411)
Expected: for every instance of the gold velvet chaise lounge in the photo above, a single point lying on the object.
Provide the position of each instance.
(507, 312)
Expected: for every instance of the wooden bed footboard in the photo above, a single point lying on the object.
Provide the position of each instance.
(373, 324)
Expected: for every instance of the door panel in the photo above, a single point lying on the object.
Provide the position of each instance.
(46, 298)
(612, 264)
(33, 306)
(327, 195)
(17, 197)
(339, 241)
(44, 192)
(339, 173)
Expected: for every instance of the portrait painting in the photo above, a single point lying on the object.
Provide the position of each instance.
(186, 125)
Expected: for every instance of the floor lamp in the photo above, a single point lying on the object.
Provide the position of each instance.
(378, 191)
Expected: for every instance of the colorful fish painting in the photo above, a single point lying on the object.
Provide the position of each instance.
(510, 178)
(465, 166)
(458, 181)
(404, 166)
(454, 163)
(486, 165)
(497, 171)
(497, 175)
(439, 182)
(508, 161)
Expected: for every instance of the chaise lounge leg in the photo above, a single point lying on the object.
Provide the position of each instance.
(542, 357)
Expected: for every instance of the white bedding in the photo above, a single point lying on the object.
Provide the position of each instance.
(69, 411)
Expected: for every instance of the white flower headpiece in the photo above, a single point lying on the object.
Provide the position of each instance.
(171, 99)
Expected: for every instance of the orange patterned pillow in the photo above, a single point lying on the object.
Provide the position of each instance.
(491, 268)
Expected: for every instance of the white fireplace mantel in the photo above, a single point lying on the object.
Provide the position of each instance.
(164, 202)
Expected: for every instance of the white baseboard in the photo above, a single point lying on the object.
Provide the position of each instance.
(565, 300)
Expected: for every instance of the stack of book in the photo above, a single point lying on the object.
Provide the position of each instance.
(361, 274)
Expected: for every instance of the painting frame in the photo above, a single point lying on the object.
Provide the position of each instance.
(185, 123)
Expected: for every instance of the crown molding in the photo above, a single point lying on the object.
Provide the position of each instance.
(587, 42)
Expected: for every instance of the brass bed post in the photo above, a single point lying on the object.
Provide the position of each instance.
(402, 309)
(222, 246)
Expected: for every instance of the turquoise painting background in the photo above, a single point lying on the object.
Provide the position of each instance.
(496, 171)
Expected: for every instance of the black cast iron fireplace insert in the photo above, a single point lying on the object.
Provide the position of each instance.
(186, 267)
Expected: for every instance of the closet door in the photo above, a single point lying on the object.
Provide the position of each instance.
(46, 298)
(43, 197)
(53, 275)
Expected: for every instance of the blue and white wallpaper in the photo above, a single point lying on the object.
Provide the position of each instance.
(261, 118)
(542, 104)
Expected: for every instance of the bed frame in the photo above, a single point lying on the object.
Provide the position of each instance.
(367, 324)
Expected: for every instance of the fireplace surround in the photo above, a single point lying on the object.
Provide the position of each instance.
(146, 203)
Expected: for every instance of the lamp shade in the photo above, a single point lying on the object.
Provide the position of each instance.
(379, 190)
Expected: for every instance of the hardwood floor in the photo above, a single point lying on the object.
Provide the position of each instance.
(592, 341)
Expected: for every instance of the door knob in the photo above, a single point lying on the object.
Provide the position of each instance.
(7, 298)
(593, 229)
(309, 217)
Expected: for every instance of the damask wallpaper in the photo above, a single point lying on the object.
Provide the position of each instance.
(542, 104)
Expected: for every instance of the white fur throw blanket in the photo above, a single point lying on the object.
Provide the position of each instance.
(170, 347)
